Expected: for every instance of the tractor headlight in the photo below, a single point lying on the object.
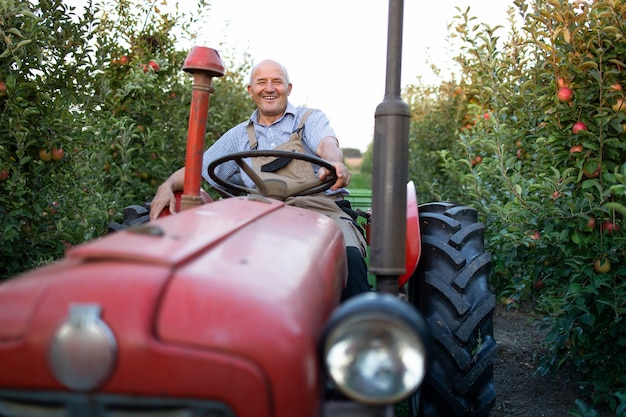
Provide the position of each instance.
(83, 350)
(374, 349)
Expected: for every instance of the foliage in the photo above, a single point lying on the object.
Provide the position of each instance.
(107, 88)
(368, 159)
(44, 88)
(436, 114)
(351, 153)
(553, 198)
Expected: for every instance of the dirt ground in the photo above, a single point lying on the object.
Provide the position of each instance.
(520, 390)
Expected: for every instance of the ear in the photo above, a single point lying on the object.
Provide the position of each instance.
(249, 88)
(289, 88)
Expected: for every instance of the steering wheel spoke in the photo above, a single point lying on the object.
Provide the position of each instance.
(272, 188)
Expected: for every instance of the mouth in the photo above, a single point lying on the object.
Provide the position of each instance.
(270, 98)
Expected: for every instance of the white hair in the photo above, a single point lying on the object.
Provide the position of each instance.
(282, 68)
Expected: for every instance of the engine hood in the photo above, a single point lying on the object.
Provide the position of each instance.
(237, 289)
(264, 294)
(168, 243)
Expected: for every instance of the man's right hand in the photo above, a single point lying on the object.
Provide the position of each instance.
(163, 198)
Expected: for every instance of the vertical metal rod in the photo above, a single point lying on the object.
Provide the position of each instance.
(204, 63)
(201, 92)
(391, 140)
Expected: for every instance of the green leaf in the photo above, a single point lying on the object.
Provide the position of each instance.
(15, 32)
(22, 43)
(612, 206)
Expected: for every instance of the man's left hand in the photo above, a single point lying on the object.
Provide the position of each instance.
(343, 175)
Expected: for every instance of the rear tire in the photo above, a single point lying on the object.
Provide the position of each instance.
(450, 287)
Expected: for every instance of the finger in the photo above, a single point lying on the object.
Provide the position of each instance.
(155, 210)
(172, 204)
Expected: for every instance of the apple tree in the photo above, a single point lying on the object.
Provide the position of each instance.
(537, 145)
(94, 115)
(43, 57)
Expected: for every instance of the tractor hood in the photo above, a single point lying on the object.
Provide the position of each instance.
(236, 289)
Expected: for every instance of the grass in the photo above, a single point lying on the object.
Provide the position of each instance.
(359, 180)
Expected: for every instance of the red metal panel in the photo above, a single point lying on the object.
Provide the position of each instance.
(413, 238)
(129, 295)
(184, 235)
(264, 294)
(19, 297)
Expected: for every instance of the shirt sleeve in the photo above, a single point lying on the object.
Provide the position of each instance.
(316, 128)
(228, 143)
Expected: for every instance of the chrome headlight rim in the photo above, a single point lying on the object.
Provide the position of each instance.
(388, 309)
(83, 350)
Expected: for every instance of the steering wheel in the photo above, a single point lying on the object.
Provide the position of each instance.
(273, 188)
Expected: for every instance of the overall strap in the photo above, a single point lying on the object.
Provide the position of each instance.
(252, 134)
(305, 116)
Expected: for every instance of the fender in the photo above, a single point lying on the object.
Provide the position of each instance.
(413, 239)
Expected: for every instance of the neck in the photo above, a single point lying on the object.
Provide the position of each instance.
(268, 119)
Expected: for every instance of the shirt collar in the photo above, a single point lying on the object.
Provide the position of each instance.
(291, 109)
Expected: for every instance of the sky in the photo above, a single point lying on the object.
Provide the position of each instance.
(335, 50)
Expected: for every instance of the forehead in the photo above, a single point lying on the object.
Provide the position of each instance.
(268, 71)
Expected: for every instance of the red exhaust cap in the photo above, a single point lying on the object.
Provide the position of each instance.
(204, 59)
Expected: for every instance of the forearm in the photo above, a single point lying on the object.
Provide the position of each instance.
(329, 150)
(176, 181)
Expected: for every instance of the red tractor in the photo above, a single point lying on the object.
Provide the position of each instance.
(232, 308)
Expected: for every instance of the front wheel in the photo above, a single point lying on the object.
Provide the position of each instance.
(450, 288)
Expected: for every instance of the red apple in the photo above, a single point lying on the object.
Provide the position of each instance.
(535, 235)
(602, 266)
(619, 105)
(4, 174)
(560, 81)
(575, 149)
(539, 284)
(123, 60)
(616, 87)
(520, 153)
(3, 89)
(45, 155)
(154, 65)
(486, 116)
(591, 223)
(591, 169)
(610, 227)
(57, 154)
(565, 94)
(578, 126)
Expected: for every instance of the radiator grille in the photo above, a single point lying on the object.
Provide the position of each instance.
(61, 404)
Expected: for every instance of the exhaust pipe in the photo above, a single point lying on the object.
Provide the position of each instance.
(204, 63)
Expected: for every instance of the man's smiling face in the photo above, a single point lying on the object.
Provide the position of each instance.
(269, 88)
